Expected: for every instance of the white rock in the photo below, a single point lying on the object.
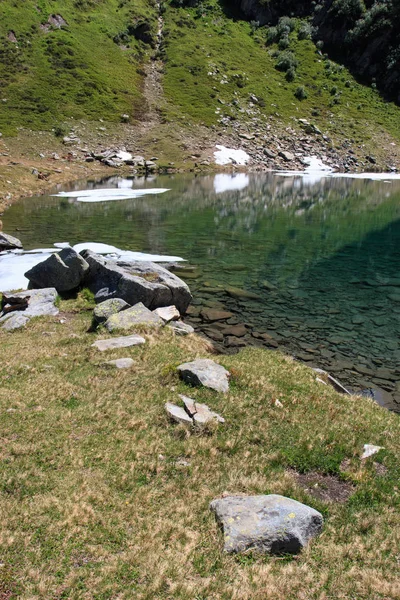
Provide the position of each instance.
(121, 363)
(167, 313)
(370, 450)
(177, 414)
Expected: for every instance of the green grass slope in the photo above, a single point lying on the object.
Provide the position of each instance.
(215, 62)
(87, 68)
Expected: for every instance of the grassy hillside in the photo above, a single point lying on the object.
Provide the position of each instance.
(92, 65)
(214, 63)
(101, 497)
(85, 66)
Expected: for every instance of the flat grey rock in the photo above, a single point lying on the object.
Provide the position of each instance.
(15, 321)
(39, 303)
(64, 271)
(132, 317)
(119, 342)
(177, 414)
(105, 310)
(266, 524)
(135, 281)
(167, 313)
(9, 242)
(205, 372)
(200, 413)
(121, 363)
(180, 328)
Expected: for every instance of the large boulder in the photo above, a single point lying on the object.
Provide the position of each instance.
(132, 317)
(134, 282)
(266, 524)
(64, 271)
(205, 372)
(8, 242)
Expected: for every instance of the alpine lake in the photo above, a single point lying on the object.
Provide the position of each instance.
(309, 265)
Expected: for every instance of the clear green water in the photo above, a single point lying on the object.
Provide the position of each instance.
(323, 258)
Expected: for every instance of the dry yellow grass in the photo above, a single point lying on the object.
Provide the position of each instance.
(101, 497)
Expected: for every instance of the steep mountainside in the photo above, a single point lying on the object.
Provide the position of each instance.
(185, 74)
(365, 34)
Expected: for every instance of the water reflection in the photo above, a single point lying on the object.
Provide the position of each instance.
(320, 258)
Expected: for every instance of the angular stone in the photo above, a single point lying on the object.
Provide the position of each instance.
(167, 313)
(269, 524)
(180, 328)
(177, 414)
(205, 372)
(288, 156)
(213, 314)
(234, 342)
(9, 242)
(200, 413)
(239, 294)
(64, 271)
(235, 330)
(119, 342)
(136, 281)
(121, 363)
(105, 310)
(40, 302)
(131, 317)
(15, 321)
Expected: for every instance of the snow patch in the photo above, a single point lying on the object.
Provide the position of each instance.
(108, 195)
(227, 156)
(14, 264)
(317, 170)
(228, 183)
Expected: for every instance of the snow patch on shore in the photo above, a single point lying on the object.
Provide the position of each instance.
(317, 170)
(228, 156)
(14, 264)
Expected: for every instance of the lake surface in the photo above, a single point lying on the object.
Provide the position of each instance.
(318, 258)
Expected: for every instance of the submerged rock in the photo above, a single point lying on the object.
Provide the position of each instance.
(64, 271)
(205, 372)
(269, 524)
(131, 317)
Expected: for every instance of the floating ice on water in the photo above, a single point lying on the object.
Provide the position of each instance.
(228, 156)
(128, 255)
(225, 182)
(108, 195)
(386, 177)
(97, 247)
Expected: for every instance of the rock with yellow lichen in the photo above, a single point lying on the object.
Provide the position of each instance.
(269, 524)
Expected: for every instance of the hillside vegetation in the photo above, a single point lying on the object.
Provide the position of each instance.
(86, 59)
